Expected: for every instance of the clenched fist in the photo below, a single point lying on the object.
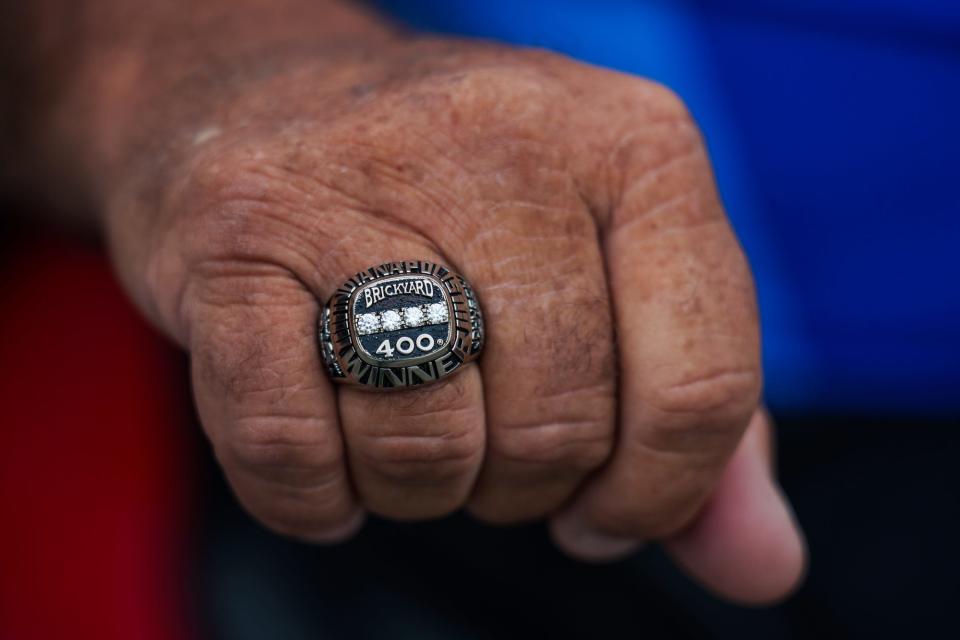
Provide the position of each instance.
(248, 165)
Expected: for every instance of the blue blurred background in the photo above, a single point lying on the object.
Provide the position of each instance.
(834, 127)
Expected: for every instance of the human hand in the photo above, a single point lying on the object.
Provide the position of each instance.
(618, 395)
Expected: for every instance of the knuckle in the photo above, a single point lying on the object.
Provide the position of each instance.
(428, 434)
(287, 478)
(245, 204)
(717, 391)
(248, 327)
(657, 170)
(413, 459)
(577, 444)
(286, 448)
(642, 101)
(216, 183)
(664, 101)
(504, 86)
(559, 284)
(489, 105)
(594, 359)
(651, 112)
(248, 359)
(713, 402)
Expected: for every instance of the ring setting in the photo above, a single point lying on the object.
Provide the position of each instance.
(400, 324)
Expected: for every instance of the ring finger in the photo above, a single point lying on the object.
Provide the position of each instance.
(413, 453)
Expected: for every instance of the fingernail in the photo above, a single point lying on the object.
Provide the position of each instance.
(583, 542)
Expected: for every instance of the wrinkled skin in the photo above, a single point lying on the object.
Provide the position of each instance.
(618, 395)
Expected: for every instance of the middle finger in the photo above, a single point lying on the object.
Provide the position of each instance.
(549, 368)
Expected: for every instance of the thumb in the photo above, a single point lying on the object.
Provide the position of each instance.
(746, 544)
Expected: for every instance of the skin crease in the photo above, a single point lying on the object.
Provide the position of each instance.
(242, 159)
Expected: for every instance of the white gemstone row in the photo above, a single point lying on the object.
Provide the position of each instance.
(403, 318)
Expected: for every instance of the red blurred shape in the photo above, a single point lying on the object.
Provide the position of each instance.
(93, 464)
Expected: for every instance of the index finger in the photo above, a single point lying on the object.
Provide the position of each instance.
(688, 339)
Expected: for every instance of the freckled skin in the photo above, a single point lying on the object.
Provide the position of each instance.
(243, 158)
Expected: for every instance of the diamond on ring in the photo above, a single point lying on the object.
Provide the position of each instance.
(391, 320)
(368, 323)
(437, 313)
(414, 317)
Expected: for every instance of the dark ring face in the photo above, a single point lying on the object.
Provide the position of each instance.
(400, 324)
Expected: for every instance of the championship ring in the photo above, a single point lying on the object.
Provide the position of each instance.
(400, 324)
